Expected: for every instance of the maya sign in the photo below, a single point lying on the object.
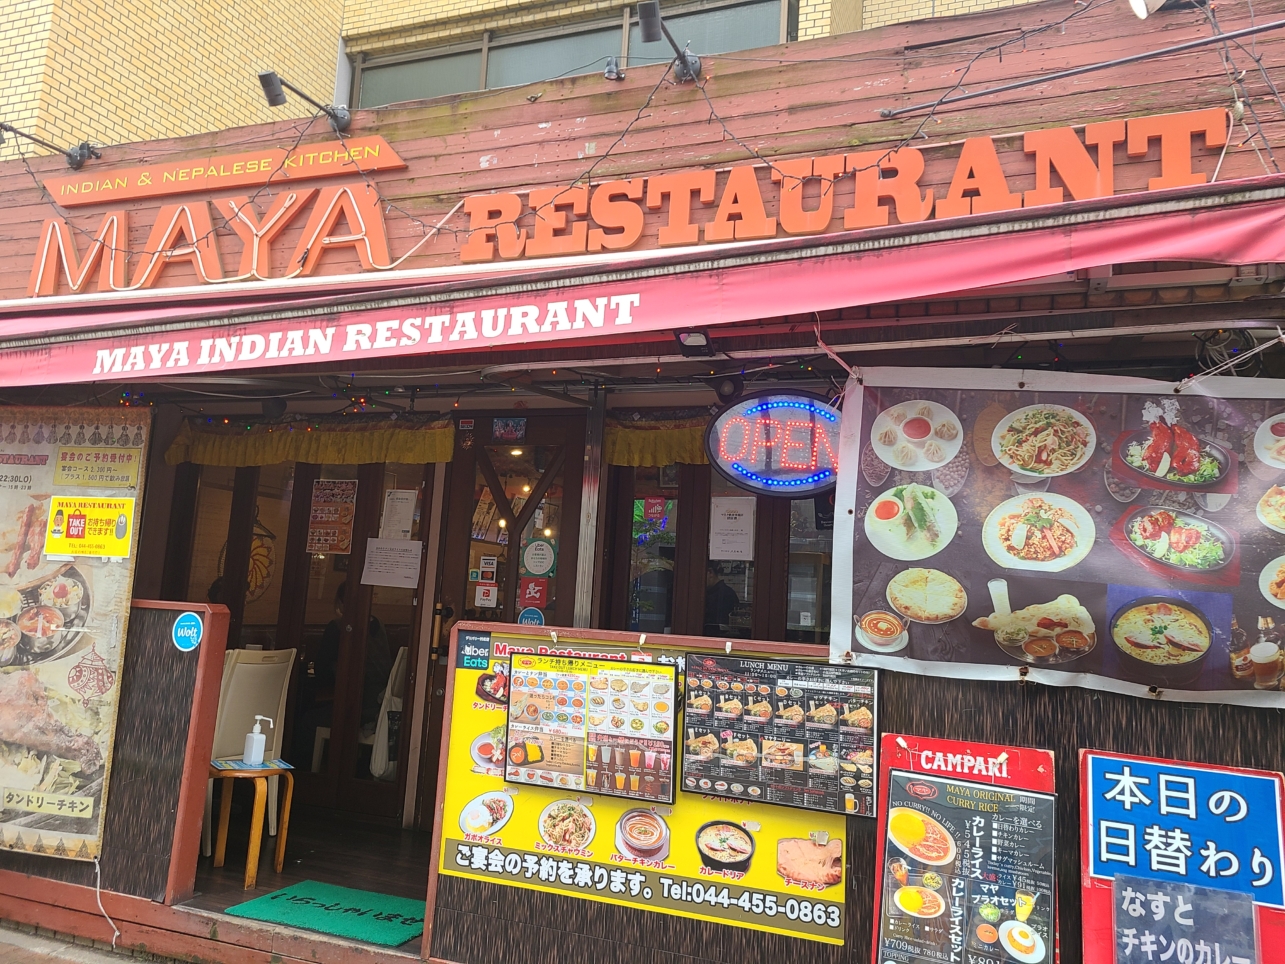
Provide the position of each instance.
(567, 220)
(776, 444)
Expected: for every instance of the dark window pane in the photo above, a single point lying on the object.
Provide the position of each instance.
(419, 79)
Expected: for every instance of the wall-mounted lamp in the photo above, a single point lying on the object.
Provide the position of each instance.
(76, 156)
(694, 343)
(687, 66)
(272, 84)
(612, 71)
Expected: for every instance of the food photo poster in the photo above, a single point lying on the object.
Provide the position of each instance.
(736, 862)
(1073, 529)
(70, 482)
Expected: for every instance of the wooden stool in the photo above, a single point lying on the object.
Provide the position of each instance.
(260, 777)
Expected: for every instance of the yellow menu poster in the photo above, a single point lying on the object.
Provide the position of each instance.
(733, 862)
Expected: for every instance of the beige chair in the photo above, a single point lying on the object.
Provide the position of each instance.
(254, 683)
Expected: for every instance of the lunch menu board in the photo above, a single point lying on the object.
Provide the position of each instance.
(603, 726)
(966, 862)
(1082, 529)
(733, 862)
(790, 733)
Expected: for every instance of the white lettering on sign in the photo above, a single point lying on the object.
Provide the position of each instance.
(964, 763)
(532, 322)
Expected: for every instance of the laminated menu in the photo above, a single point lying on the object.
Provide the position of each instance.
(790, 733)
(966, 872)
(602, 726)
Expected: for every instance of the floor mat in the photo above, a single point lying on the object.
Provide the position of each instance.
(360, 915)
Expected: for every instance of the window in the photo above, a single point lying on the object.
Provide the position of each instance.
(713, 28)
(716, 31)
(653, 539)
(419, 79)
(524, 63)
(807, 614)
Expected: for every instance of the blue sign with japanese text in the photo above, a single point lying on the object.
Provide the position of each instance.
(1164, 821)
(1159, 921)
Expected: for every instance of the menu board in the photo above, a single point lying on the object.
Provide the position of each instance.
(330, 518)
(604, 726)
(1073, 529)
(790, 733)
(738, 863)
(70, 482)
(966, 872)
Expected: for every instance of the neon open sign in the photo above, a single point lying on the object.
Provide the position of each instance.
(782, 443)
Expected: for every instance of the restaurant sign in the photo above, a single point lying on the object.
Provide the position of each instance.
(965, 861)
(1180, 862)
(737, 862)
(568, 220)
(779, 443)
(1070, 529)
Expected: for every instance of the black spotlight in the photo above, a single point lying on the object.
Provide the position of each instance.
(694, 342)
(728, 388)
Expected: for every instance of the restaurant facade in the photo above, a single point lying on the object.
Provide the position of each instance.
(803, 512)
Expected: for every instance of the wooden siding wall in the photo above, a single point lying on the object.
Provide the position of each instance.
(156, 690)
(814, 98)
(480, 923)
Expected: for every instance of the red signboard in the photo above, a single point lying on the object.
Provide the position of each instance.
(966, 854)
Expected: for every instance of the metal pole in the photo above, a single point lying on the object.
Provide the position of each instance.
(1088, 68)
(590, 494)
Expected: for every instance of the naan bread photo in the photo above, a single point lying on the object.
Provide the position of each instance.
(926, 595)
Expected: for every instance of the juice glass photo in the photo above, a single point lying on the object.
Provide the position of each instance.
(593, 752)
(592, 777)
(650, 757)
(635, 757)
(606, 756)
(633, 782)
(620, 781)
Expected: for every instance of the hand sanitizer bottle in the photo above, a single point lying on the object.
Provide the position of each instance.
(255, 741)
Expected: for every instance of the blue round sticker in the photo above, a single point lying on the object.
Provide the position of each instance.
(531, 617)
(187, 632)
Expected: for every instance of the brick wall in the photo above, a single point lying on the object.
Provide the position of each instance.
(24, 34)
(112, 71)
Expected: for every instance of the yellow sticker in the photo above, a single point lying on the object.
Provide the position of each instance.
(86, 526)
(108, 468)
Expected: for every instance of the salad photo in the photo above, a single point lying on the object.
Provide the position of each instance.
(1179, 539)
(1170, 452)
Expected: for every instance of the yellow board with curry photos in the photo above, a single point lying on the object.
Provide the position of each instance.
(733, 862)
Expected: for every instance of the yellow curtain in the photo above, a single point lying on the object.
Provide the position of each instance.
(655, 443)
(349, 441)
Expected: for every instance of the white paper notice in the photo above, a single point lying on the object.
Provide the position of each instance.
(731, 527)
(392, 562)
(399, 513)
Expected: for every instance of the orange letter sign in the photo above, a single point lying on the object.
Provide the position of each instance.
(871, 187)
(1175, 132)
(626, 214)
(182, 232)
(548, 204)
(791, 176)
(978, 172)
(680, 188)
(493, 216)
(57, 249)
(743, 202)
(1060, 148)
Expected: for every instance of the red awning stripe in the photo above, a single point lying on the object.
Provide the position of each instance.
(544, 312)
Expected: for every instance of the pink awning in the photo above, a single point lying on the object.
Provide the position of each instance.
(760, 283)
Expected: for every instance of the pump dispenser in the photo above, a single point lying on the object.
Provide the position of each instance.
(255, 741)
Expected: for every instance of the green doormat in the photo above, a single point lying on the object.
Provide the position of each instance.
(356, 914)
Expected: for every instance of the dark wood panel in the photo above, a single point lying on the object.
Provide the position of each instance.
(156, 687)
(181, 533)
(1063, 720)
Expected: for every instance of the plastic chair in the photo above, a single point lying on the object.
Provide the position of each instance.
(254, 682)
(382, 768)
